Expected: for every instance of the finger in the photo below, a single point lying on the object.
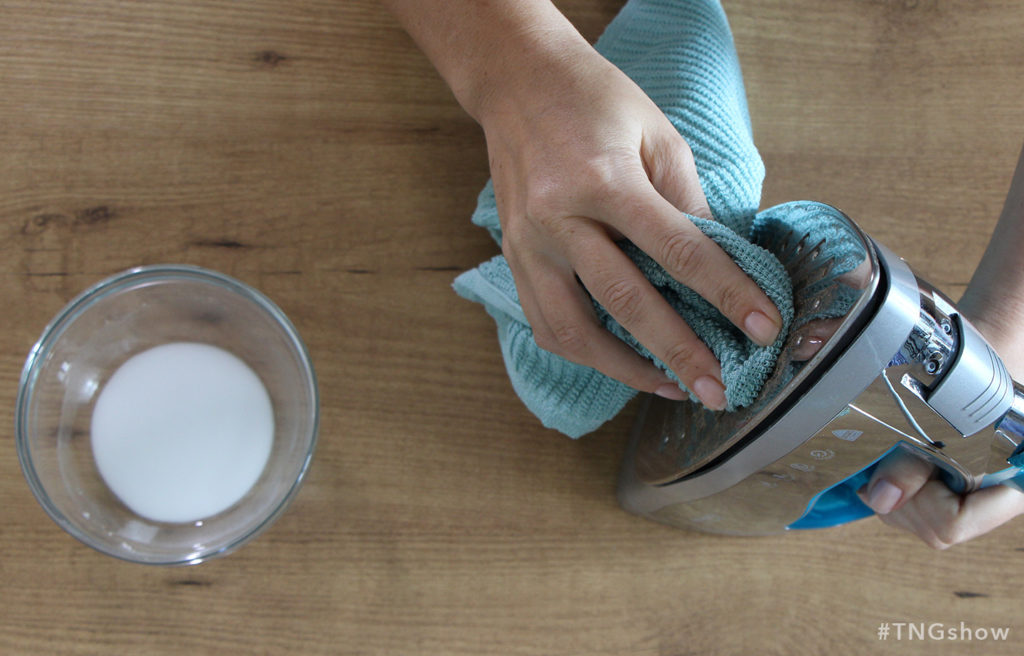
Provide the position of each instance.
(616, 283)
(896, 479)
(695, 260)
(952, 518)
(933, 505)
(908, 519)
(672, 170)
(942, 518)
(563, 321)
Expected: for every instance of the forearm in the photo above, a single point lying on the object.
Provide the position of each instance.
(995, 296)
(482, 47)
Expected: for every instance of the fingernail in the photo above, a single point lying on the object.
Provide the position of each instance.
(883, 496)
(671, 391)
(760, 328)
(710, 391)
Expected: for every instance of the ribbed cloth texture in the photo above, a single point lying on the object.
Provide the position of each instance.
(682, 55)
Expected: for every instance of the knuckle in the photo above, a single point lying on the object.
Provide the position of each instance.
(611, 177)
(623, 299)
(950, 533)
(543, 336)
(604, 182)
(679, 356)
(543, 201)
(889, 520)
(731, 300)
(682, 252)
(513, 233)
(565, 338)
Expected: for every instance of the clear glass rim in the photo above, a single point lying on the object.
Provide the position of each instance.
(112, 285)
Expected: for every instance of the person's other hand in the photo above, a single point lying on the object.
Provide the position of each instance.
(906, 493)
(904, 490)
(580, 157)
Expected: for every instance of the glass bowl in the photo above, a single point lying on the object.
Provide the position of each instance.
(167, 415)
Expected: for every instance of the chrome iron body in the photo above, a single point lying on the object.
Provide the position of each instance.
(903, 370)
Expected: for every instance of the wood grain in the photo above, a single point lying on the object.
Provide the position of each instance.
(308, 149)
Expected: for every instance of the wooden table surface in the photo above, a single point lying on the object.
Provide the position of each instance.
(307, 148)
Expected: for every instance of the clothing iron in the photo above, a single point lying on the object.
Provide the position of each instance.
(876, 360)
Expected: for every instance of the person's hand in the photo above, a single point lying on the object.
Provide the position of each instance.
(580, 156)
(904, 490)
(906, 493)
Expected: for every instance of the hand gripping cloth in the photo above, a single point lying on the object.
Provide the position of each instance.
(681, 54)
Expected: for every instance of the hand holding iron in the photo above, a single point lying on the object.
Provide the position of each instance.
(906, 493)
(905, 490)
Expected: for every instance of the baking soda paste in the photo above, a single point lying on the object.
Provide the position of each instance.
(182, 431)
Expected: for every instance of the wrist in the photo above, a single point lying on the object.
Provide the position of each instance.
(487, 51)
(1000, 322)
(519, 64)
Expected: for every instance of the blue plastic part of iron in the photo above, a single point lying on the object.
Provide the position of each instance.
(1017, 459)
(1012, 476)
(838, 504)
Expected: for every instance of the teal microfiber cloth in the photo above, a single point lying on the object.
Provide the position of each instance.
(681, 54)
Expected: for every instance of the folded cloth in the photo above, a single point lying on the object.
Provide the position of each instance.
(681, 54)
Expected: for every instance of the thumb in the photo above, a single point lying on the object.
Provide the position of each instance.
(672, 171)
(896, 479)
